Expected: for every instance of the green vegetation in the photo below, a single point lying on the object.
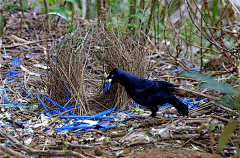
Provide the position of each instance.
(13, 7)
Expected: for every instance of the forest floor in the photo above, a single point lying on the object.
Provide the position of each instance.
(29, 41)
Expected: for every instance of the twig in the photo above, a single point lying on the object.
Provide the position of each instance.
(17, 45)
(220, 118)
(40, 152)
(184, 90)
(11, 152)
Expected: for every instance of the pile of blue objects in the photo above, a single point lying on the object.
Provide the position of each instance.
(101, 121)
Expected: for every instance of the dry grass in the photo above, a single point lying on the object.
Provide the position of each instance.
(82, 60)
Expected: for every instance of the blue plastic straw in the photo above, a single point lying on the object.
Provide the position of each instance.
(28, 94)
(58, 110)
(7, 105)
(58, 105)
(184, 60)
(180, 70)
(19, 93)
(200, 101)
(6, 89)
(16, 104)
(79, 132)
(75, 127)
(43, 105)
(88, 117)
(106, 128)
(12, 74)
(82, 124)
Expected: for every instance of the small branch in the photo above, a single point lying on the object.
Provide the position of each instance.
(11, 152)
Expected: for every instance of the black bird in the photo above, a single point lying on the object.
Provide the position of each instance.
(146, 92)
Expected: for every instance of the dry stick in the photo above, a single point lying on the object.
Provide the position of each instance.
(98, 131)
(201, 108)
(204, 146)
(198, 136)
(228, 109)
(31, 42)
(40, 152)
(220, 118)
(79, 146)
(11, 152)
(196, 93)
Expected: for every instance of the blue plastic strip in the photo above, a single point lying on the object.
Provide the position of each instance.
(88, 117)
(7, 105)
(16, 104)
(28, 94)
(107, 86)
(75, 127)
(6, 89)
(12, 74)
(91, 117)
(79, 132)
(184, 60)
(106, 128)
(43, 105)
(136, 118)
(200, 101)
(18, 92)
(50, 100)
(180, 70)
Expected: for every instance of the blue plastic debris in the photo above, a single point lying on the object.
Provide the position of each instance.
(15, 104)
(12, 74)
(107, 86)
(106, 128)
(93, 116)
(103, 124)
(16, 62)
(18, 92)
(79, 132)
(75, 127)
(59, 110)
(28, 94)
(50, 100)
(43, 105)
(180, 70)
(87, 117)
(184, 60)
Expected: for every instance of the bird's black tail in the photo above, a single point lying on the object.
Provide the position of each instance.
(181, 108)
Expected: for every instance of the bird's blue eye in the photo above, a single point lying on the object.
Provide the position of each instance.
(112, 76)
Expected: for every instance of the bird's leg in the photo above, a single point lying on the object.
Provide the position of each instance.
(153, 112)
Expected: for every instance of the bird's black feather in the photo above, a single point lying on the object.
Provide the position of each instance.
(148, 93)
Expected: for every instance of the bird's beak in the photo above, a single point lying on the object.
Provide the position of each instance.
(107, 84)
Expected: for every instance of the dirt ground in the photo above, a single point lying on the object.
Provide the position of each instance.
(149, 151)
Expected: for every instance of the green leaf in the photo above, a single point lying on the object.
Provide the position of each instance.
(213, 126)
(2, 24)
(70, 1)
(226, 134)
(215, 11)
(61, 15)
(211, 83)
